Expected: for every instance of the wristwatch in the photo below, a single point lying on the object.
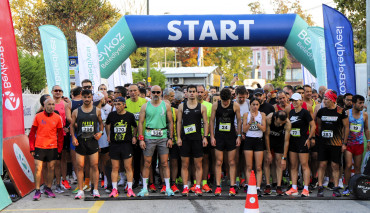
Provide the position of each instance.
(283, 158)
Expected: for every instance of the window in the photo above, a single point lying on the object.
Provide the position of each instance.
(251, 59)
(259, 75)
(268, 58)
(258, 58)
(269, 77)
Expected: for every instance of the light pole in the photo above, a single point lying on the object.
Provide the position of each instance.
(147, 52)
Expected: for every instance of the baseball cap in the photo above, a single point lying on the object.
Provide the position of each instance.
(296, 97)
(258, 90)
(98, 96)
(120, 99)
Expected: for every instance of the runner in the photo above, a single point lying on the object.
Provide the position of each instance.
(254, 124)
(121, 137)
(358, 125)
(299, 144)
(87, 118)
(277, 138)
(46, 144)
(190, 140)
(288, 89)
(333, 134)
(158, 117)
(223, 115)
(282, 101)
(348, 101)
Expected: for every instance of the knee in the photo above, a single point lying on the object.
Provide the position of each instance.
(218, 163)
(249, 167)
(94, 166)
(147, 163)
(164, 164)
(232, 163)
(259, 168)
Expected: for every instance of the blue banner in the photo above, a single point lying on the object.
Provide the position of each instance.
(54, 45)
(318, 51)
(340, 61)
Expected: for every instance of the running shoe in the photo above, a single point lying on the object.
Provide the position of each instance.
(102, 184)
(246, 188)
(326, 182)
(58, 189)
(163, 190)
(42, 189)
(152, 188)
(218, 191)
(198, 192)
(206, 188)
(292, 191)
(340, 185)
(232, 191)
(49, 192)
(114, 193)
(75, 191)
(185, 192)
(314, 183)
(242, 181)
(126, 189)
(279, 192)
(192, 189)
(130, 193)
(330, 186)
(259, 193)
(80, 195)
(96, 193)
(66, 185)
(336, 192)
(267, 190)
(346, 192)
(305, 193)
(108, 190)
(37, 195)
(320, 191)
(87, 188)
(175, 189)
(169, 192)
(143, 192)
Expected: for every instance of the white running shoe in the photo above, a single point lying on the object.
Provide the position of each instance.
(340, 185)
(326, 182)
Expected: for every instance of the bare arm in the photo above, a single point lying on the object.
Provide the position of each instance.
(246, 125)
(288, 127)
(238, 117)
(141, 126)
(212, 120)
(262, 126)
(107, 130)
(179, 124)
(72, 127)
(366, 130)
(267, 132)
(68, 112)
(205, 120)
(346, 132)
(170, 123)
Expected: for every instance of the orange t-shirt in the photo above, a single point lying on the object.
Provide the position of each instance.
(47, 130)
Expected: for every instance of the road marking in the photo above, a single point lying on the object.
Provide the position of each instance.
(95, 208)
(55, 209)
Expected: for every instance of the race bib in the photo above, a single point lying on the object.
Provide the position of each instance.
(120, 129)
(295, 132)
(355, 127)
(224, 127)
(190, 129)
(327, 133)
(137, 115)
(254, 127)
(156, 133)
(87, 129)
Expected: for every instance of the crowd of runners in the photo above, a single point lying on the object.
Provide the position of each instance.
(193, 140)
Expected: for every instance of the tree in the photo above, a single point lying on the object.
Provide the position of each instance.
(158, 78)
(280, 71)
(138, 58)
(32, 69)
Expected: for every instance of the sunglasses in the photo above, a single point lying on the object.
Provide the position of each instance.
(86, 87)
(109, 101)
(156, 92)
(116, 92)
(58, 90)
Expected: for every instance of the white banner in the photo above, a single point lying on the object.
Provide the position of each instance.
(309, 79)
(122, 76)
(88, 60)
(115, 79)
(126, 72)
(31, 104)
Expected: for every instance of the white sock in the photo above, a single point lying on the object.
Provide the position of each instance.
(114, 185)
(197, 186)
(145, 183)
(186, 186)
(129, 184)
(167, 181)
(306, 187)
(294, 187)
(258, 188)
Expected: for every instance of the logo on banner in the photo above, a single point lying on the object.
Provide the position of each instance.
(11, 102)
(23, 163)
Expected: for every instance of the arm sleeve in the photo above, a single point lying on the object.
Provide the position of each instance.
(60, 139)
(32, 138)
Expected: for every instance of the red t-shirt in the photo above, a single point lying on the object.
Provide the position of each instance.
(47, 130)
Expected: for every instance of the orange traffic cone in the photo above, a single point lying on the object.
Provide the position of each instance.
(251, 202)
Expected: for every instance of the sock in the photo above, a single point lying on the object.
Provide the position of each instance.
(87, 181)
(145, 183)
(218, 186)
(306, 187)
(294, 187)
(204, 182)
(197, 186)
(167, 181)
(186, 186)
(129, 184)
(237, 179)
(258, 188)
(232, 187)
(114, 185)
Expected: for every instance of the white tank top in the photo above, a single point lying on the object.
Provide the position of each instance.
(254, 131)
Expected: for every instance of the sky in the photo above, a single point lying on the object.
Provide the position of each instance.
(186, 7)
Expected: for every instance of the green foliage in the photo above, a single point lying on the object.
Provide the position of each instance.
(32, 70)
(158, 78)
(280, 71)
(360, 57)
(138, 58)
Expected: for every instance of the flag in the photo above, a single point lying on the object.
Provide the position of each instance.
(200, 56)
(126, 72)
(115, 79)
(309, 79)
(88, 60)
(318, 51)
(54, 45)
(11, 77)
(340, 62)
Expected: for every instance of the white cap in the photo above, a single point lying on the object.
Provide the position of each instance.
(98, 96)
(296, 97)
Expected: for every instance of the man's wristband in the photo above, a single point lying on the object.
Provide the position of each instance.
(368, 140)
(141, 137)
(239, 135)
(283, 158)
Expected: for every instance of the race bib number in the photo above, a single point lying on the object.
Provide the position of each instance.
(295, 132)
(156, 133)
(87, 129)
(355, 127)
(327, 133)
(121, 129)
(224, 127)
(190, 129)
(137, 115)
(254, 127)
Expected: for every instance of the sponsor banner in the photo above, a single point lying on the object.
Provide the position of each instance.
(54, 45)
(340, 61)
(20, 163)
(73, 70)
(10, 75)
(309, 79)
(88, 60)
(115, 79)
(115, 47)
(318, 50)
(126, 72)
(4, 196)
(31, 104)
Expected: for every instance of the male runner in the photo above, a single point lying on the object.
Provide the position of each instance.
(158, 116)
(282, 101)
(87, 118)
(46, 144)
(190, 140)
(348, 101)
